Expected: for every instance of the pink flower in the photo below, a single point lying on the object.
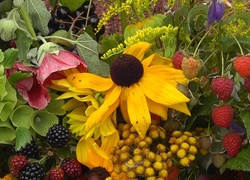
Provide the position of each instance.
(53, 65)
(29, 88)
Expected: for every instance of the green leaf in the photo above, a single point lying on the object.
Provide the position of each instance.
(72, 4)
(54, 105)
(42, 121)
(240, 162)
(1, 55)
(23, 44)
(245, 117)
(23, 136)
(87, 49)
(10, 56)
(7, 133)
(21, 116)
(38, 14)
(17, 76)
(5, 6)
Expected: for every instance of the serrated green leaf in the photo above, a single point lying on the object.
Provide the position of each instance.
(10, 56)
(17, 76)
(38, 14)
(87, 49)
(42, 120)
(245, 117)
(23, 136)
(1, 55)
(21, 116)
(72, 4)
(23, 44)
(240, 162)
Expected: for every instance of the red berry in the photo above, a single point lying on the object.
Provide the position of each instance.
(222, 87)
(242, 65)
(191, 67)
(232, 143)
(222, 116)
(177, 60)
(173, 173)
(56, 173)
(71, 167)
(17, 164)
(247, 84)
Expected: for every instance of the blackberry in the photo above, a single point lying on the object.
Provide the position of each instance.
(58, 136)
(56, 173)
(71, 167)
(32, 171)
(30, 150)
(17, 164)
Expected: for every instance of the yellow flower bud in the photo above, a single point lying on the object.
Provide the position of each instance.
(192, 150)
(179, 141)
(184, 146)
(191, 140)
(189, 134)
(157, 165)
(172, 140)
(181, 153)
(174, 148)
(163, 173)
(176, 133)
(191, 157)
(184, 161)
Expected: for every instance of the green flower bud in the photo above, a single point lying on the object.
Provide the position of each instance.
(7, 29)
(45, 48)
(18, 3)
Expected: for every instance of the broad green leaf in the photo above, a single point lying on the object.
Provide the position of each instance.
(230, 44)
(201, 10)
(7, 133)
(54, 105)
(5, 6)
(38, 14)
(3, 91)
(42, 120)
(245, 117)
(87, 49)
(23, 136)
(1, 55)
(23, 44)
(240, 162)
(10, 56)
(72, 4)
(21, 116)
(17, 76)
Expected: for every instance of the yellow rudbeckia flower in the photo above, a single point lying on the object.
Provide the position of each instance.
(137, 85)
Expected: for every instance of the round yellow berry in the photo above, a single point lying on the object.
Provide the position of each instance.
(191, 140)
(184, 162)
(174, 148)
(184, 146)
(181, 153)
(176, 133)
(192, 150)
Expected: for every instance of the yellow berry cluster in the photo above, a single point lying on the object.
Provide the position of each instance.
(146, 158)
(183, 145)
(205, 139)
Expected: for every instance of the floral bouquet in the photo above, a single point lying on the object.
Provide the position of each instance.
(164, 97)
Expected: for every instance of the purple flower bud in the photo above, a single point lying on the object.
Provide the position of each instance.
(237, 128)
(216, 11)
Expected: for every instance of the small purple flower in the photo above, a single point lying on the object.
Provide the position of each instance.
(216, 11)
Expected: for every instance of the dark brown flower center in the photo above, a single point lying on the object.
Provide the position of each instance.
(126, 70)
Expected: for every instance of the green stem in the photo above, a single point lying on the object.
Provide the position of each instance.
(58, 37)
(222, 63)
(241, 51)
(198, 45)
(123, 16)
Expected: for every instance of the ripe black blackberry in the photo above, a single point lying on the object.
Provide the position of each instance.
(30, 150)
(32, 171)
(58, 136)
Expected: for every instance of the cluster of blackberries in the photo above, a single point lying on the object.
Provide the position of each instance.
(76, 21)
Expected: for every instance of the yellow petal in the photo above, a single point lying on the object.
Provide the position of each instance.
(91, 155)
(156, 59)
(138, 50)
(91, 81)
(182, 107)
(111, 101)
(160, 91)
(157, 108)
(88, 98)
(171, 75)
(90, 109)
(71, 104)
(138, 110)
(107, 127)
(123, 103)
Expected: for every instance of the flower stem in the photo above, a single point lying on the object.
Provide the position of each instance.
(123, 16)
(222, 63)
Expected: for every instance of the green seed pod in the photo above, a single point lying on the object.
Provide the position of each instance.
(7, 29)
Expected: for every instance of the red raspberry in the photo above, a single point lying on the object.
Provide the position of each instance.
(173, 173)
(56, 173)
(242, 65)
(177, 60)
(247, 84)
(71, 167)
(17, 164)
(191, 67)
(222, 87)
(232, 143)
(222, 116)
